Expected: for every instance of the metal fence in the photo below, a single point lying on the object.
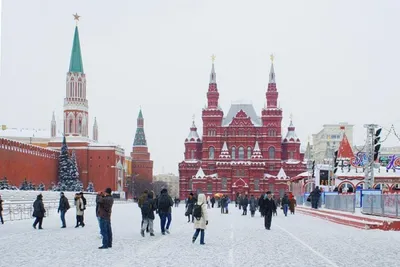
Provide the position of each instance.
(22, 210)
(382, 205)
(341, 202)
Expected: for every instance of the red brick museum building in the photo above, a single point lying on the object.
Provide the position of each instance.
(240, 152)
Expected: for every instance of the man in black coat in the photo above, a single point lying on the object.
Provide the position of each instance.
(38, 211)
(315, 196)
(269, 208)
(63, 207)
(261, 204)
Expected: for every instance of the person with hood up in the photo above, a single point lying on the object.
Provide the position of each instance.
(201, 218)
(253, 205)
(148, 208)
(38, 211)
(164, 206)
(63, 207)
(141, 199)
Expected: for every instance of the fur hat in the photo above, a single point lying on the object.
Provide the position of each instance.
(108, 190)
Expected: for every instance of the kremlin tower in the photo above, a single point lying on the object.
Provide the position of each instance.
(142, 165)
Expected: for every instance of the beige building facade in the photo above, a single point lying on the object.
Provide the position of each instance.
(328, 139)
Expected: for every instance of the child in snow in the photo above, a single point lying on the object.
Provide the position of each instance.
(201, 218)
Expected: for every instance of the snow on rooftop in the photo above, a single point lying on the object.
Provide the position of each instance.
(27, 133)
(247, 108)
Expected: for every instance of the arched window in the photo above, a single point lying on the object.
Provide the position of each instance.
(271, 152)
(241, 153)
(80, 126)
(70, 125)
(211, 151)
(249, 152)
(192, 154)
(290, 154)
(233, 153)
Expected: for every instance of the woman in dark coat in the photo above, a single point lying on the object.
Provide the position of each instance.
(38, 211)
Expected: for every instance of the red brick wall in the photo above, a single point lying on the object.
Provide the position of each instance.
(19, 161)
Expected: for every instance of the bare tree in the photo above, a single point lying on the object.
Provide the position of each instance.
(158, 186)
(140, 184)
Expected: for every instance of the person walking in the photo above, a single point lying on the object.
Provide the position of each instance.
(63, 207)
(38, 211)
(105, 202)
(164, 210)
(201, 218)
(148, 208)
(189, 206)
(315, 196)
(285, 204)
(141, 199)
(253, 205)
(84, 208)
(212, 202)
(261, 205)
(244, 203)
(79, 211)
(208, 202)
(1, 211)
(269, 208)
(292, 204)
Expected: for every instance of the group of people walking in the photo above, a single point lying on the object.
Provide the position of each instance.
(104, 203)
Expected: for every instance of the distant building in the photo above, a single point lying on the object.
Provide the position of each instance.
(328, 139)
(171, 180)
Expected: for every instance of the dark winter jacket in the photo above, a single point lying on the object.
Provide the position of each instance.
(38, 207)
(1, 205)
(152, 208)
(171, 203)
(253, 204)
(105, 207)
(261, 202)
(212, 200)
(285, 200)
(64, 204)
(97, 205)
(269, 205)
(190, 205)
(315, 194)
(244, 202)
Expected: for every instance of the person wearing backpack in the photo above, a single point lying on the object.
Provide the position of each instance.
(164, 205)
(201, 218)
(147, 209)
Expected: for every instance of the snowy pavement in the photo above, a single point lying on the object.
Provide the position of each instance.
(231, 240)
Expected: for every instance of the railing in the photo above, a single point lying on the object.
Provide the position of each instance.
(341, 202)
(382, 205)
(22, 210)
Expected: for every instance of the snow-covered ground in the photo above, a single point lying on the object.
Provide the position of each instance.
(231, 240)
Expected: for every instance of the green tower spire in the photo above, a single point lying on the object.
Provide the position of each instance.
(76, 64)
(140, 138)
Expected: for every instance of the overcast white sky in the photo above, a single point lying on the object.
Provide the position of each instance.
(334, 61)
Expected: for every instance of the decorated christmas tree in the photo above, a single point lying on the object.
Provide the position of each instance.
(90, 187)
(68, 174)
